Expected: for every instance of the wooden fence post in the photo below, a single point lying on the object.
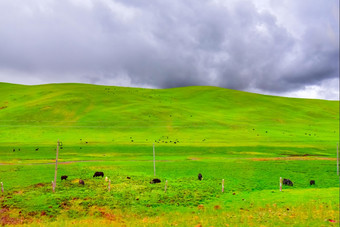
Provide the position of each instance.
(222, 185)
(166, 185)
(2, 187)
(280, 184)
(109, 185)
(56, 167)
(53, 186)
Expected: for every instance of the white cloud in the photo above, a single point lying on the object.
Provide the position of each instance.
(328, 89)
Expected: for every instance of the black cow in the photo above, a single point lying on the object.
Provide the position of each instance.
(200, 176)
(98, 174)
(64, 177)
(155, 181)
(37, 149)
(128, 177)
(312, 182)
(287, 182)
(81, 182)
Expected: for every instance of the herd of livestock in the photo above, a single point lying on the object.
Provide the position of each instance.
(156, 180)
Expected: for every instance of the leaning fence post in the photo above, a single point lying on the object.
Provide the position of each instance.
(2, 187)
(56, 168)
(280, 184)
(166, 185)
(222, 185)
(109, 185)
(53, 186)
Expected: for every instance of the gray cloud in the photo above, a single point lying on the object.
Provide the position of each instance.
(244, 45)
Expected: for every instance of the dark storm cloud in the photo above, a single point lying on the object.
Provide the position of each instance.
(169, 43)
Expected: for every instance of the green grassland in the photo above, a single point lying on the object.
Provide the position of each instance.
(247, 139)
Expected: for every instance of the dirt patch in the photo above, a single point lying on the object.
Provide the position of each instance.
(194, 159)
(6, 219)
(4, 210)
(293, 158)
(46, 107)
(39, 185)
(108, 216)
(217, 207)
(76, 181)
(18, 192)
(52, 162)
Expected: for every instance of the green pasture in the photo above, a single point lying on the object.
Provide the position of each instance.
(249, 140)
(251, 184)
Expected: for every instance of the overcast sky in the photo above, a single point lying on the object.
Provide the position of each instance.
(286, 47)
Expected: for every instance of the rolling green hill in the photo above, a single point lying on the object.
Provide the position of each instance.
(250, 140)
(189, 115)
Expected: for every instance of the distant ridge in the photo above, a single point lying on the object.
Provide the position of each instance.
(193, 115)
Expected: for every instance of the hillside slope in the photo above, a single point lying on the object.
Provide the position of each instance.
(189, 115)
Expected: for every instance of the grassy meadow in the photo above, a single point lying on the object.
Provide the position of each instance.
(247, 139)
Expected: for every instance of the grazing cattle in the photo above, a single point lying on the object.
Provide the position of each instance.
(128, 177)
(155, 181)
(98, 174)
(37, 149)
(13, 150)
(287, 182)
(64, 177)
(200, 177)
(312, 182)
(81, 182)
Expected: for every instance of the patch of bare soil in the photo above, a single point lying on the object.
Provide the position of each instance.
(194, 159)
(18, 192)
(51, 163)
(39, 185)
(293, 158)
(6, 219)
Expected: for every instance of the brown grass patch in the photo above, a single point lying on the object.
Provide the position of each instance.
(18, 192)
(200, 207)
(217, 207)
(194, 159)
(10, 217)
(39, 185)
(293, 158)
